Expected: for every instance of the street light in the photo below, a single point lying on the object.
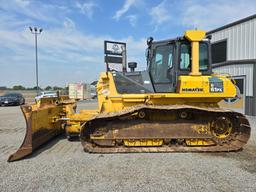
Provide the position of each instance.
(36, 32)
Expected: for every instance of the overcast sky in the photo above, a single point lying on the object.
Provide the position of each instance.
(71, 45)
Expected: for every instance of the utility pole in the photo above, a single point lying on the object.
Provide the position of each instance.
(36, 32)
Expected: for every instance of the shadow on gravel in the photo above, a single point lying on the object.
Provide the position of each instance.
(49, 145)
(246, 157)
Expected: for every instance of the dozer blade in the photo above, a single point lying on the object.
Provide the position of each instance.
(42, 124)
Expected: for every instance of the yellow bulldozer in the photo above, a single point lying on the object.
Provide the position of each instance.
(171, 106)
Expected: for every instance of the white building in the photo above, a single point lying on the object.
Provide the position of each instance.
(234, 52)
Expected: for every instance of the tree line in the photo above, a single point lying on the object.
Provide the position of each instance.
(20, 87)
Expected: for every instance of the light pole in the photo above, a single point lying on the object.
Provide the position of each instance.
(36, 32)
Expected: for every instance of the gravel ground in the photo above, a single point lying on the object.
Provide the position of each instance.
(63, 166)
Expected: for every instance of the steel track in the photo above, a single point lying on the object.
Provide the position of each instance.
(235, 141)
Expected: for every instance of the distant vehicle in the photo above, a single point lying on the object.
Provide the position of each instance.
(44, 94)
(94, 96)
(11, 99)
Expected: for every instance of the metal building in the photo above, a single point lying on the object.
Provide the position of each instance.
(234, 53)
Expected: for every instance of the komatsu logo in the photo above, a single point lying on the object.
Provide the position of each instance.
(193, 89)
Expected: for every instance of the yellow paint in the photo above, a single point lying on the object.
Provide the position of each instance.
(195, 59)
(224, 134)
(199, 142)
(194, 36)
(73, 127)
(46, 114)
(97, 137)
(141, 142)
(109, 100)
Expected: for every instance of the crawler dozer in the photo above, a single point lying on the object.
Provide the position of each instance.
(171, 106)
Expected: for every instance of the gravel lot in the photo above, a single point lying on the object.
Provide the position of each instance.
(63, 166)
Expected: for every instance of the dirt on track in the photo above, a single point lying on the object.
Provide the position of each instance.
(61, 165)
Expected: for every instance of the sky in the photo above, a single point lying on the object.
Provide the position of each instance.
(70, 48)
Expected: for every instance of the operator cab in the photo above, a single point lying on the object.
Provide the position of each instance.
(169, 59)
(166, 61)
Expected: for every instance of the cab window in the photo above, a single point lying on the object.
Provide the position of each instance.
(203, 56)
(185, 56)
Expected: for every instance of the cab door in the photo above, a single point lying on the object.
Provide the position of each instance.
(161, 68)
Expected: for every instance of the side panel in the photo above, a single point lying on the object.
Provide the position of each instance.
(190, 90)
(206, 86)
